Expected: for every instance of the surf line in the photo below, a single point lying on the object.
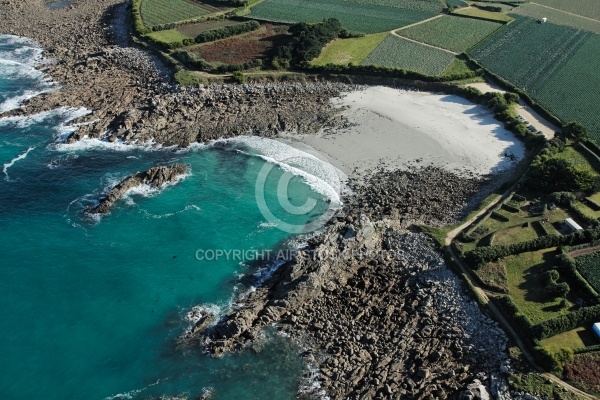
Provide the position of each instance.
(13, 161)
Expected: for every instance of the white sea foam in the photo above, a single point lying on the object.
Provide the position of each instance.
(14, 160)
(171, 214)
(62, 115)
(131, 394)
(87, 144)
(319, 174)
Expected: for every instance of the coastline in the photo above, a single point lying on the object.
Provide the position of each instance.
(372, 324)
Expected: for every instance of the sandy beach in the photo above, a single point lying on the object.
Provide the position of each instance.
(399, 128)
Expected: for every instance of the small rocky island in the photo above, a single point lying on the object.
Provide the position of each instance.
(155, 177)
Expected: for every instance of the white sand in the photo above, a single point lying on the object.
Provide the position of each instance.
(400, 128)
(547, 128)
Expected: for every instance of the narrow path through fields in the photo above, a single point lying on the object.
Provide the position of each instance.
(424, 44)
(583, 252)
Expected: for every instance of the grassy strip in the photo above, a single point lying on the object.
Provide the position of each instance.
(352, 50)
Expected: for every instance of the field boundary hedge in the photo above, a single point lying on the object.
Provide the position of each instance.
(191, 60)
(477, 257)
(227, 31)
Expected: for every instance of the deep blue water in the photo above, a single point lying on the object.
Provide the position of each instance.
(92, 308)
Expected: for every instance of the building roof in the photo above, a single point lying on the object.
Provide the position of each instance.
(573, 224)
(596, 328)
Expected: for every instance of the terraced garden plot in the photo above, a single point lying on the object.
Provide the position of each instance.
(589, 267)
(244, 48)
(193, 30)
(452, 33)
(585, 8)
(538, 12)
(353, 50)
(158, 12)
(527, 284)
(395, 52)
(369, 16)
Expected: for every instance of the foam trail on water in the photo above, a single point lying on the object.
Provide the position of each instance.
(13, 161)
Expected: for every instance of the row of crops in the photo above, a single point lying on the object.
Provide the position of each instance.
(395, 52)
(586, 8)
(538, 12)
(555, 64)
(452, 33)
(589, 267)
(159, 12)
(365, 16)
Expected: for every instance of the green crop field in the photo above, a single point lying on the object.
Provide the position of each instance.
(589, 267)
(538, 12)
(554, 64)
(395, 52)
(586, 8)
(477, 13)
(366, 16)
(353, 50)
(158, 12)
(168, 36)
(453, 33)
(572, 93)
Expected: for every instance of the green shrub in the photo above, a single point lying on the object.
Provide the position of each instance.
(226, 31)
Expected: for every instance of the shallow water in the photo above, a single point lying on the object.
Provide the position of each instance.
(92, 307)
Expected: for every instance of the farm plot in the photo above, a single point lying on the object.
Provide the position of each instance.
(554, 64)
(244, 48)
(395, 52)
(586, 8)
(538, 12)
(589, 267)
(572, 93)
(352, 50)
(158, 12)
(453, 33)
(193, 30)
(487, 15)
(365, 16)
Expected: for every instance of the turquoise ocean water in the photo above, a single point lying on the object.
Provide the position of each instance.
(92, 308)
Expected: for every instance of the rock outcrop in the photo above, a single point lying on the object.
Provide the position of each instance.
(155, 177)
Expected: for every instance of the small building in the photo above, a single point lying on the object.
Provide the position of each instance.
(572, 225)
(596, 329)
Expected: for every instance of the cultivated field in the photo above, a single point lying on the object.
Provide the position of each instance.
(589, 267)
(193, 30)
(586, 8)
(453, 33)
(572, 93)
(244, 48)
(585, 371)
(395, 52)
(538, 12)
(168, 36)
(353, 50)
(366, 16)
(158, 12)
(477, 13)
(553, 63)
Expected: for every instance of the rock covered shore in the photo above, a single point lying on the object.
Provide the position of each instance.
(379, 312)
